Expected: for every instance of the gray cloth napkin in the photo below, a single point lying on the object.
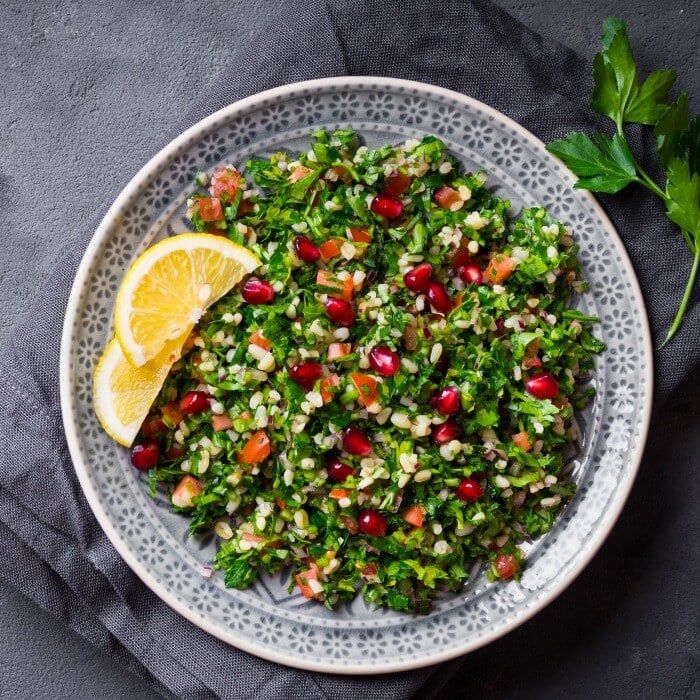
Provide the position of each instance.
(51, 547)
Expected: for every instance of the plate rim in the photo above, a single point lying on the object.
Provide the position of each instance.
(72, 432)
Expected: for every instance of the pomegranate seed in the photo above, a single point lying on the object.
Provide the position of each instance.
(257, 291)
(145, 456)
(355, 442)
(396, 183)
(469, 490)
(445, 432)
(448, 400)
(194, 402)
(417, 279)
(384, 360)
(439, 298)
(387, 206)
(471, 274)
(462, 256)
(542, 386)
(175, 452)
(340, 311)
(372, 523)
(337, 470)
(305, 374)
(306, 249)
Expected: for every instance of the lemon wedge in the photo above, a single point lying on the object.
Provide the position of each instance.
(123, 394)
(169, 286)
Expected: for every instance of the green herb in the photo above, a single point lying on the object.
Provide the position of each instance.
(278, 511)
(606, 163)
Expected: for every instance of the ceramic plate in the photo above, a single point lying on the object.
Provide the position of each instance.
(265, 620)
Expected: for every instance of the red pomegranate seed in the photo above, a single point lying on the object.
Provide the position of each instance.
(469, 490)
(396, 183)
(462, 256)
(387, 206)
(542, 386)
(340, 311)
(194, 402)
(417, 279)
(175, 452)
(446, 432)
(471, 274)
(257, 291)
(384, 360)
(355, 442)
(305, 374)
(439, 298)
(338, 471)
(145, 456)
(447, 401)
(306, 249)
(372, 523)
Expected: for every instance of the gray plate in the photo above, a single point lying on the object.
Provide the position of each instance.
(265, 620)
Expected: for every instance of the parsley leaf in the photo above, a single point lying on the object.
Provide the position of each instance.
(683, 189)
(650, 102)
(616, 92)
(672, 123)
(606, 164)
(603, 165)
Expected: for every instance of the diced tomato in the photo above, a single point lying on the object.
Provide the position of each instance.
(250, 537)
(222, 422)
(260, 340)
(172, 412)
(499, 269)
(224, 183)
(184, 493)
(210, 209)
(256, 450)
(303, 578)
(330, 249)
(366, 386)
(522, 441)
(280, 503)
(350, 524)
(414, 515)
(152, 426)
(299, 172)
(359, 235)
(325, 278)
(327, 385)
(506, 565)
(445, 197)
(337, 494)
(336, 350)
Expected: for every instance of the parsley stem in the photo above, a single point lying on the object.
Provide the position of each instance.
(646, 180)
(686, 298)
(650, 184)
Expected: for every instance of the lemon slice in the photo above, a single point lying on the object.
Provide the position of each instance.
(123, 394)
(170, 286)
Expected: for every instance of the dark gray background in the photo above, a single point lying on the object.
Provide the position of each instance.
(84, 89)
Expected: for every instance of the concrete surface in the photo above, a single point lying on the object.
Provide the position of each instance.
(62, 129)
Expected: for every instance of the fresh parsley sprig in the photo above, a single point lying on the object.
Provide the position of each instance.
(606, 163)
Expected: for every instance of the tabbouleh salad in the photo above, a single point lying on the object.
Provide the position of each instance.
(388, 400)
